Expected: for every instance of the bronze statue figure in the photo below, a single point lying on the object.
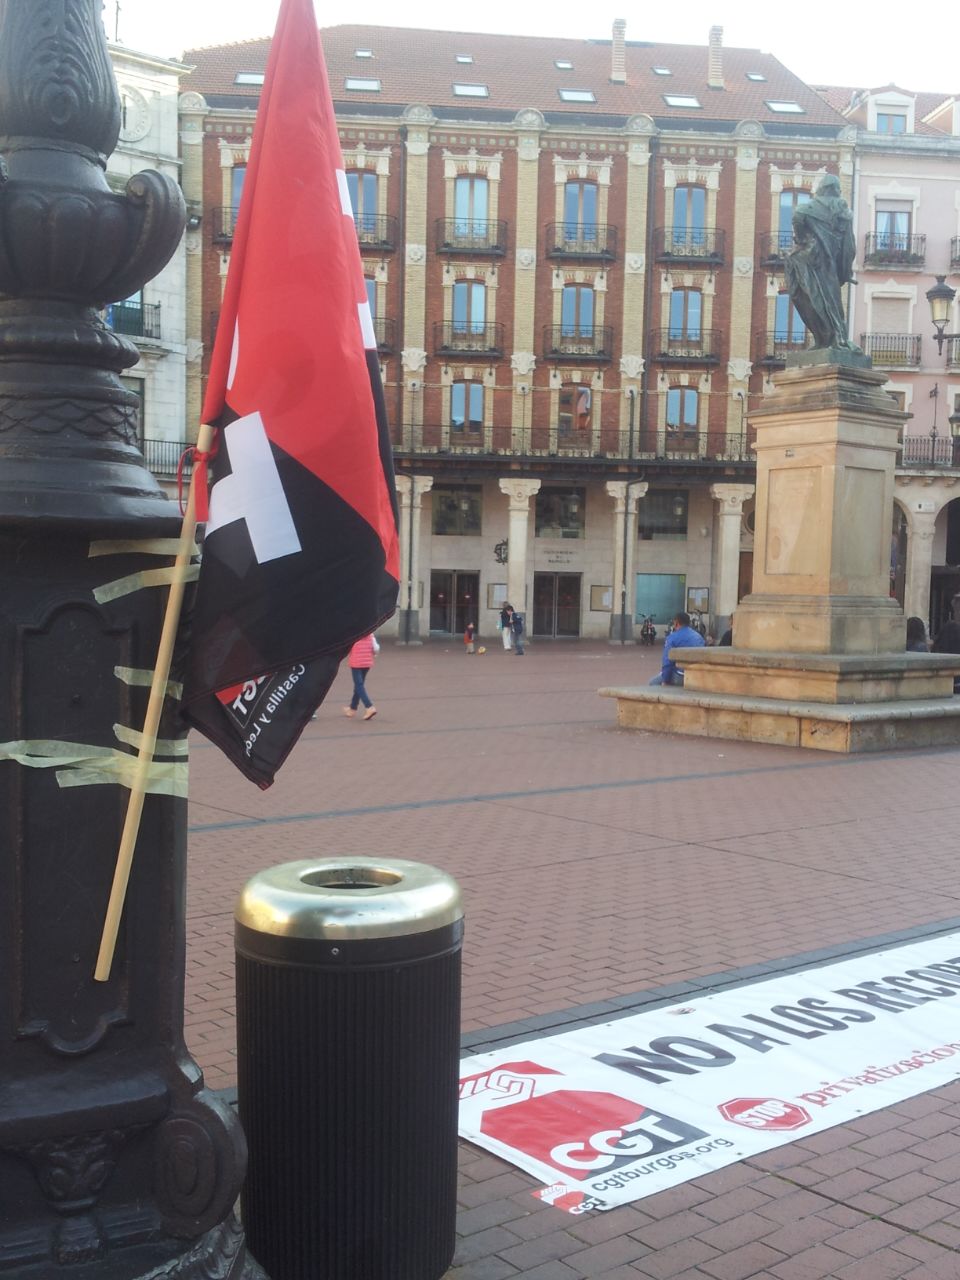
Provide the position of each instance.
(821, 262)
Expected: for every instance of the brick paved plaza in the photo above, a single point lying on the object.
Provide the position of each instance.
(603, 870)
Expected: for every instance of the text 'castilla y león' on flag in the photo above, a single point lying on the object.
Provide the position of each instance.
(300, 555)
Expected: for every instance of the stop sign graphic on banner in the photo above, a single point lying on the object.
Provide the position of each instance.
(764, 1113)
(581, 1133)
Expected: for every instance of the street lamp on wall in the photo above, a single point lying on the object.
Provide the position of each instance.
(941, 298)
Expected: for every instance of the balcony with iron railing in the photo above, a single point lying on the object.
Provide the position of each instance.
(163, 457)
(673, 346)
(953, 352)
(894, 249)
(955, 254)
(590, 240)
(469, 338)
(689, 244)
(578, 342)
(571, 445)
(384, 327)
(471, 236)
(223, 224)
(773, 247)
(134, 320)
(771, 347)
(927, 451)
(376, 232)
(892, 350)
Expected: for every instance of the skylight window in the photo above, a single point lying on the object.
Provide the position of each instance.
(471, 91)
(248, 77)
(787, 108)
(363, 53)
(662, 71)
(755, 75)
(465, 57)
(361, 85)
(681, 100)
(577, 95)
(562, 64)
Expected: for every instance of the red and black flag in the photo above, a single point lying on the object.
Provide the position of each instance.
(300, 555)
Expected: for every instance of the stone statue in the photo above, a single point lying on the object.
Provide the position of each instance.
(821, 262)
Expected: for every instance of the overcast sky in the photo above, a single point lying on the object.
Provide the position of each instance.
(825, 42)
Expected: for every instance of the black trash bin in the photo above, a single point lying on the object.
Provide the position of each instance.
(348, 1034)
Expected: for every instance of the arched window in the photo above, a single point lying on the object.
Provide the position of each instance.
(469, 306)
(577, 311)
(683, 413)
(470, 206)
(689, 219)
(363, 199)
(686, 310)
(466, 407)
(580, 211)
(790, 201)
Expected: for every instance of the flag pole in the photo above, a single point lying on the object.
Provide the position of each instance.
(148, 741)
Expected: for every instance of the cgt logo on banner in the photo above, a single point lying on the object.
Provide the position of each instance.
(609, 1113)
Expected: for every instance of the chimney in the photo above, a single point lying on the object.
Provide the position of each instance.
(715, 59)
(618, 68)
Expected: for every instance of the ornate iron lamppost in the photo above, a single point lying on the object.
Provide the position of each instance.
(115, 1162)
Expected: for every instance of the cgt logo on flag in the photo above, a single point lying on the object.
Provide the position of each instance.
(580, 1133)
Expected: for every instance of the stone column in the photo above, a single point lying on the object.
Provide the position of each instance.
(417, 121)
(723, 594)
(410, 491)
(625, 494)
(916, 582)
(519, 492)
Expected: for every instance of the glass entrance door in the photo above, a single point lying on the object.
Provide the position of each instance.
(556, 604)
(454, 599)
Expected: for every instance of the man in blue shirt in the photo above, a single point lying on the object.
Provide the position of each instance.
(680, 636)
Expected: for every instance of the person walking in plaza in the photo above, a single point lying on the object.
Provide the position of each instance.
(516, 625)
(680, 636)
(361, 659)
(468, 637)
(506, 624)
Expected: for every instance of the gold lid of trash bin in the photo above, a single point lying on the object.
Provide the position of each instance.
(346, 898)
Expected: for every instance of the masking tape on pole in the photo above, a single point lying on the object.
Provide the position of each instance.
(162, 746)
(140, 677)
(148, 578)
(79, 765)
(133, 546)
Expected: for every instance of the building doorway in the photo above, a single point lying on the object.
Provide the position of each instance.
(556, 604)
(454, 600)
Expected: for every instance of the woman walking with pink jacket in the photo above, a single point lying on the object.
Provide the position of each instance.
(361, 660)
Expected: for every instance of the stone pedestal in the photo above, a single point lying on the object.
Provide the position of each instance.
(818, 646)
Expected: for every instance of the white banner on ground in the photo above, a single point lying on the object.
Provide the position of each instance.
(614, 1112)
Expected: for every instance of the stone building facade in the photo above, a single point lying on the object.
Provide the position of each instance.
(574, 256)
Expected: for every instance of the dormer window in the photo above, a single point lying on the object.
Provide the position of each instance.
(662, 71)
(681, 100)
(577, 95)
(465, 58)
(755, 75)
(248, 77)
(562, 64)
(787, 108)
(359, 84)
(363, 53)
(471, 91)
(891, 122)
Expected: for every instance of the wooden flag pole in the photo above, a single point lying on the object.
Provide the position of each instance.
(158, 688)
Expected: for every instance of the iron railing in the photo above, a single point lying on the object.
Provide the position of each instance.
(772, 347)
(581, 240)
(474, 339)
(224, 223)
(163, 456)
(471, 235)
(927, 451)
(376, 231)
(894, 248)
(955, 254)
(675, 347)
(773, 246)
(550, 441)
(897, 350)
(135, 320)
(703, 244)
(578, 342)
(384, 328)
